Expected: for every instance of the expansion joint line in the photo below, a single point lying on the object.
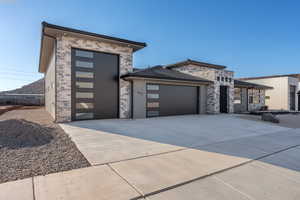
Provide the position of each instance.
(130, 184)
(33, 188)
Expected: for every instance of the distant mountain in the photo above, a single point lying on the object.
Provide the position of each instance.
(36, 87)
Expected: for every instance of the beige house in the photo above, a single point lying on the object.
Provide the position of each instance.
(285, 92)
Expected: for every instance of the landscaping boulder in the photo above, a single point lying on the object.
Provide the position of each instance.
(269, 117)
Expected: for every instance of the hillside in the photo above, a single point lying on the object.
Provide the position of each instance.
(36, 87)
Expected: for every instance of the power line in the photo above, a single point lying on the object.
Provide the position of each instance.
(16, 79)
(17, 74)
(17, 71)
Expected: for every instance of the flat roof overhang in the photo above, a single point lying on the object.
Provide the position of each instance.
(50, 32)
(155, 79)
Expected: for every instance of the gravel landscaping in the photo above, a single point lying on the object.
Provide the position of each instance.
(31, 144)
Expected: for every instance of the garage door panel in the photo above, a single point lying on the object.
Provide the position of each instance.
(172, 100)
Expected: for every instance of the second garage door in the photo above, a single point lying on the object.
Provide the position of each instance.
(166, 100)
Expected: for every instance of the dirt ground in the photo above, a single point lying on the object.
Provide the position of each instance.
(286, 120)
(31, 144)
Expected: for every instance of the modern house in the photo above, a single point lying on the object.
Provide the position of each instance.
(90, 76)
(249, 96)
(285, 92)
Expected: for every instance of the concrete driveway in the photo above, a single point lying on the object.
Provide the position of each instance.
(211, 156)
(107, 141)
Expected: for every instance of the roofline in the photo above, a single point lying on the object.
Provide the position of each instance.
(47, 25)
(258, 87)
(135, 45)
(41, 47)
(189, 61)
(254, 85)
(273, 76)
(130, 77)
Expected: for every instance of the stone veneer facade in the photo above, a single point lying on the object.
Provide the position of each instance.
(213, 90)
(63, 73)
(257, 106)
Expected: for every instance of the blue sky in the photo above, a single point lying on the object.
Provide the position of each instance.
(250, 37)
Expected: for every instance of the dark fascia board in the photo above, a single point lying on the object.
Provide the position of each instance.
(273, 76)
(189, 61)
(249, 85)
(254, 87)
(62, 28)
(137, 45)
(132, 76)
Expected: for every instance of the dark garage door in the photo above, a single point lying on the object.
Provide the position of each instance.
(95, 85)
(166, 100)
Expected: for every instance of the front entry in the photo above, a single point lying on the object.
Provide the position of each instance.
(95, 85)
(223, 99)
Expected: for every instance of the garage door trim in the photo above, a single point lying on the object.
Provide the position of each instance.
(156, 98)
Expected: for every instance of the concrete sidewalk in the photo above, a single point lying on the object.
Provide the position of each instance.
(187, 174)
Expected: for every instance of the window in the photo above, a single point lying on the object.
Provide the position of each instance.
(250, 94)
(84, 95)
(153, 105)
(152, 87)
(84, 74)
(152, 96)
(226, 79)
(254, 96)
(237, 95)
(84, 105)
(218, 78)
(84, 84)
(267, 97)
(84, 64)
(152, 113)
(85, 54)
(84, 115)
(222, 78)
(230, 80)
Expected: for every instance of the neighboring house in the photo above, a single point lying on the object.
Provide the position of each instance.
(90, 76)
(249, 96)
(284, 94)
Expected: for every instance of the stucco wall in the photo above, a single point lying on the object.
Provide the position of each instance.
(64, 45)
(203, 99)
(50, 86)
(139, 99)
(279, 95)
(213, 90)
